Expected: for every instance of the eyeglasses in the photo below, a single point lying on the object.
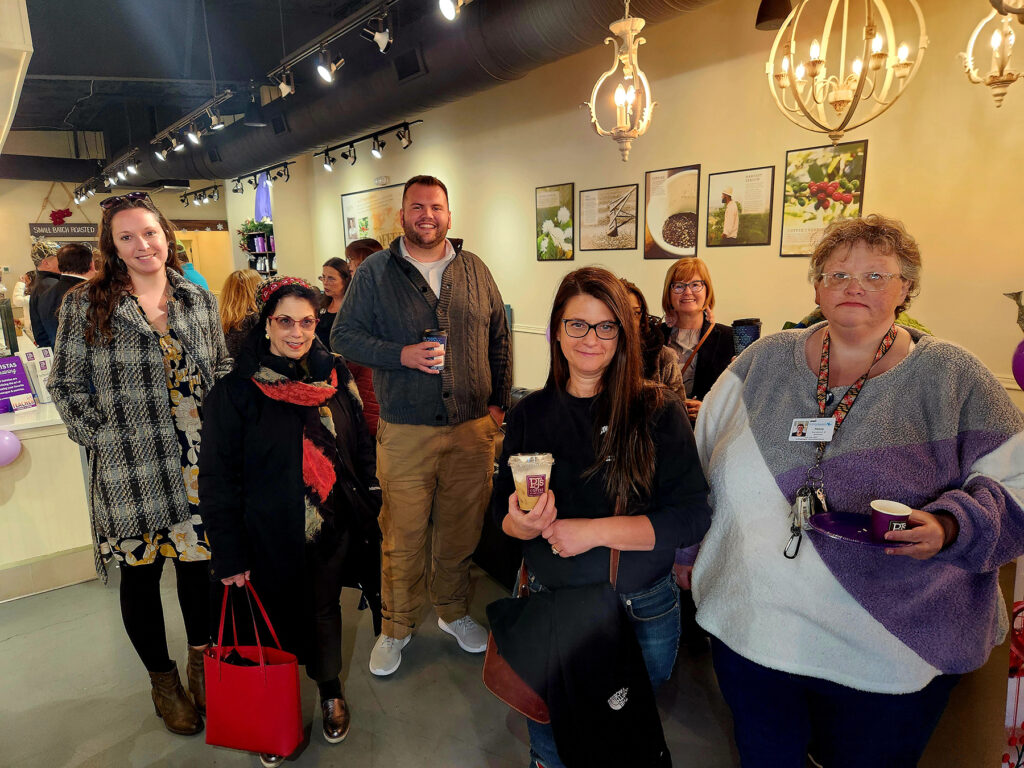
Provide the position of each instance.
(327, 279)
(869, 281)
(605, 330)
(286, 323)
(695, 286)
(109, 202)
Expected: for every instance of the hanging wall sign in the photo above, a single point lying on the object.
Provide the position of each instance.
(64, 231)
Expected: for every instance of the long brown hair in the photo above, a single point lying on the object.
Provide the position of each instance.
(626, 402)
(113, 281)
(237, 298)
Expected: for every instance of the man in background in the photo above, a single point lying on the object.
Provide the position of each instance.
(75, 262)
(44, 257)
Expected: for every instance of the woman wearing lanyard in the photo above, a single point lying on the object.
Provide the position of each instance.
(821, 640)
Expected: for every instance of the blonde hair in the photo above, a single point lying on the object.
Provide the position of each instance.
(887, 236)
(238, 298)
(684, 271)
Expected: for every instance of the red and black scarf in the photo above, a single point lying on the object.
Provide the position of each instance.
(319, 446)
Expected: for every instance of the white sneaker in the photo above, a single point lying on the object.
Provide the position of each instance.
(470, 635)
(387, 654)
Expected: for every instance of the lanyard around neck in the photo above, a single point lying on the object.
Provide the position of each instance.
(851, 394)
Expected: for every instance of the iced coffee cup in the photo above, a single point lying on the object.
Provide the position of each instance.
(531, 472)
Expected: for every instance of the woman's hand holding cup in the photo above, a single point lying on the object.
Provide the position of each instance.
(530, 525)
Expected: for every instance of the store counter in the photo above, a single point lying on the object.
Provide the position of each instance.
(45, 536)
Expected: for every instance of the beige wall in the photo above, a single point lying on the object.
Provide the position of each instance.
(942, 159)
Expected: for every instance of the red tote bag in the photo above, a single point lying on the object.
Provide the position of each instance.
(252, 708)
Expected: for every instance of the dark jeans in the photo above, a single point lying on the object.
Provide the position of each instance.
(143, 613)
(779, 717)
(654, 615)
(325, 565)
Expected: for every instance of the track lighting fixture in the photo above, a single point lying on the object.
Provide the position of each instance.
(184, 200)
(253, 111)
(287, 83)
(252, 182)
(176, 145)
(329, 162)
(111, 181)
(193, 134)
(349, 155)
(378, 33)
(377, 148)
(216, 122)
(451, 9)
(216, 194)
(195, 199)
(122, 175)
(132, 168)
(237, 187)
(91, 192)
(404, 135)
(327, 66)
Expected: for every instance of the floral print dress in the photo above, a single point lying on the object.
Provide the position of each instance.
(185, 541)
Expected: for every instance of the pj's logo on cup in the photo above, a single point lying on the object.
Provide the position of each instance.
(438, 337)
(532, 474)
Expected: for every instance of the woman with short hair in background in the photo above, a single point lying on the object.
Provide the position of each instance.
(138, 349)
(238, 312)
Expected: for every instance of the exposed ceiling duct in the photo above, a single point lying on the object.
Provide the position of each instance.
(432, 62)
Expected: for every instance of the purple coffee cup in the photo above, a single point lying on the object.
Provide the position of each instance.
(888, 516)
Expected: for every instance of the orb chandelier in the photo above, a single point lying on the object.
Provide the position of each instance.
(632, 96)
(1000, 76)
(823, 92)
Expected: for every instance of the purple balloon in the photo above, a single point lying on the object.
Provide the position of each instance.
(10, 447)
(1018, 365)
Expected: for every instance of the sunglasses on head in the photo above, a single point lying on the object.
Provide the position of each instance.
(109, 202)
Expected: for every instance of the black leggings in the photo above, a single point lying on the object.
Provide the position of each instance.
(143, 614)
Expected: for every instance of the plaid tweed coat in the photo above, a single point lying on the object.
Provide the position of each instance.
(114, 400)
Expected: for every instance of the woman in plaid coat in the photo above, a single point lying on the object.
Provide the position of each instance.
(137, 348)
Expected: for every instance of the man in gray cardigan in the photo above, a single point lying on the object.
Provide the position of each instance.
(440, 408)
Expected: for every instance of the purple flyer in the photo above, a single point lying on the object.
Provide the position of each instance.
(13, 381)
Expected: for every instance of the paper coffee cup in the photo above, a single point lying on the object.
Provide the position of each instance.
(888, 516)
(532, 473)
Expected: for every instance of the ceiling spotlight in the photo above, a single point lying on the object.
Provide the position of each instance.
(268, 181)
(184, 200)
(216, 122)
(326, 66)
(216, 194)
(111, 181)
(349, 155)
(192, 134)
(381, 36)
(176, 145)
(253, 111)
(132, 168)
(377, 148)
(237, 187)
(91, 192)
(195, 200)
(287, 83)
(451, 9)
(122, 175)
(252, 182)
(404, 135)
(206, 198)
(329, 161)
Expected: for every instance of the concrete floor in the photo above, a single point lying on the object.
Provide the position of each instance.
(73, 693)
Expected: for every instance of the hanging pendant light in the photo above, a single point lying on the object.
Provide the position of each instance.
(1001, 75)
(833, 94)
(632, 96)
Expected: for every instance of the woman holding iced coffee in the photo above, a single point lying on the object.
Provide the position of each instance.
(824, 639)
(626, 479)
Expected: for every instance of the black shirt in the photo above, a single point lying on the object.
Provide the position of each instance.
(550, 421)
(324, 325)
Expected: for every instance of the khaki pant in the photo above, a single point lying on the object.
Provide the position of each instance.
(443, 473)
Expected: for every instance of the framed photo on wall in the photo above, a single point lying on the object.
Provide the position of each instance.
(554, 205)
(822, 184)
(373, 213)
(672, 212)
(740, 207)
(608, 218)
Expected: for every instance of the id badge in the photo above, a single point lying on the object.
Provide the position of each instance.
(816, 430)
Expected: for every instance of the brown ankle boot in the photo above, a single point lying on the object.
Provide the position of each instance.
(171, 703)
(197, 679)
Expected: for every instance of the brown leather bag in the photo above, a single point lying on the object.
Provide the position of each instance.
(499, 677)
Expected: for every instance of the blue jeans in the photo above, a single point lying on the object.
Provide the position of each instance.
(654, 614)
(779, 717)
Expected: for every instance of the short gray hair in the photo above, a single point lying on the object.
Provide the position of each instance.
(888, 236)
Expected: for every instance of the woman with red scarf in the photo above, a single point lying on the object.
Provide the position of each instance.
(288, 487)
